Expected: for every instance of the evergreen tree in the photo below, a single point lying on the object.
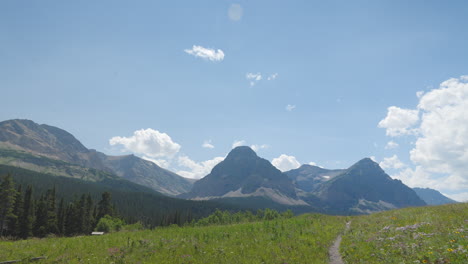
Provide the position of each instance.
(7, 201)
(51, 227)
(13, 220)
(104, 206)
(40, 225)
(61, 218)
(70, 225)
(89, 223)
(81, 217)
(27, 216)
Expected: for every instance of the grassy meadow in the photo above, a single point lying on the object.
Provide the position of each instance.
(437, 234)
(302, 239)
(412, 235)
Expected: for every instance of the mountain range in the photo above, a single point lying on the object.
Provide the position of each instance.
(44, 148)
(241, 179)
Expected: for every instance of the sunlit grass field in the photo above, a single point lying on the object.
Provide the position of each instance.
(303, 239)
(413, 235)
(436, 234)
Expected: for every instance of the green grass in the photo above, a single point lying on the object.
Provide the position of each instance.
(436, 234)
(413, 235)
(303, 239)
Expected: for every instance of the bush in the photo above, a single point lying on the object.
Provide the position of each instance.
(108, 224)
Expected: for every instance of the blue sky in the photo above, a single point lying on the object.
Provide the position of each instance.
(108, 69)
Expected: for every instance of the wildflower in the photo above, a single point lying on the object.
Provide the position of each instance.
(424, 261)
(450, 249)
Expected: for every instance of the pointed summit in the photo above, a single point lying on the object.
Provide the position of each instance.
(243, 152)
(244, 174)
(365, 188)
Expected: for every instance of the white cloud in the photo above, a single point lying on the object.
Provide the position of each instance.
(197, 170)
(440, 153)
(148, 142)
(419, 94)
(285, 162)
(205, 53)
(399, 121)
(272, 77)
(392, 162)
(238, 143)
(160, 162)
(459, 197)
(391, 145)
(256, 148)
(289, 107)
(442, 146)
(253, 78)
(207, 144)
(235, 12)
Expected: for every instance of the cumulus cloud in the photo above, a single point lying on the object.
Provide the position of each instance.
(207, 144)
(289, 107)
(285, 162)
(391, 145)
(235, 12)
(440, 153)
(253, 78)
(205, 53)
(148, 142)
(399, 121)
(197, 170)
(160, 162)
(392, 162)
(272, 77)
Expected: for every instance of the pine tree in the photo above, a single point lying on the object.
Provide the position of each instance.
(7, 201)
(71, 226)
(40, 225)
(51, 226)
(61, 218)
(89, 215)
(81, 217)
(13, 220)
(27, 217)
(104, 206)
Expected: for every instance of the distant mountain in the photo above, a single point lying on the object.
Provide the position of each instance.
(147, 173)
(244, 174)
(433, 197)
(365, 188)
(309, 178)
(47, 141)
(44, 148)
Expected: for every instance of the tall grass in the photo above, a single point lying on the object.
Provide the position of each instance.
(303, 239)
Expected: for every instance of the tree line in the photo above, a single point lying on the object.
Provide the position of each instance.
(22, 216)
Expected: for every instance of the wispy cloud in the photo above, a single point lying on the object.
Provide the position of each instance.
(272, 77)
(205, 53)
(289, 107)
(253, 78)
(207, 144)
(235, 12)
(391, 145)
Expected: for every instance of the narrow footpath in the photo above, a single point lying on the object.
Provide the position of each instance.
(334, 251)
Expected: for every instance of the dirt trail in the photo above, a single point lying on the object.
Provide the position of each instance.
(334, 251)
